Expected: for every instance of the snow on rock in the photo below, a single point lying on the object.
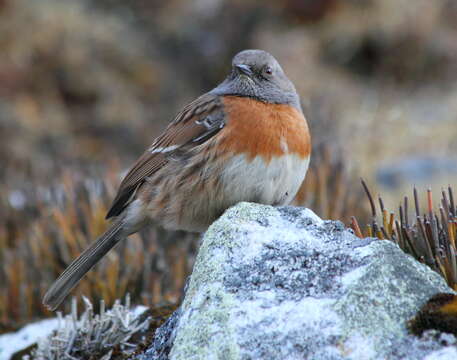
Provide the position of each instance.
(280, 283)
(443, 354)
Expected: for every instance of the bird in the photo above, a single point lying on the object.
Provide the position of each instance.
(245, 140)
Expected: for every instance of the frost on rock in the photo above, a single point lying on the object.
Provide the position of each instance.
(443, 354)
(280, 283)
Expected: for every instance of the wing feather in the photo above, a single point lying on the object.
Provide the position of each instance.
(195, 124)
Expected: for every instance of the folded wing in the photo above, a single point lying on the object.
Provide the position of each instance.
(194, 125)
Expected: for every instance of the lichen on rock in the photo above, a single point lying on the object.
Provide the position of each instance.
(280, 283)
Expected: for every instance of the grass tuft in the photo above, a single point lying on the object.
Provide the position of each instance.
(93, 336)
(428, 234)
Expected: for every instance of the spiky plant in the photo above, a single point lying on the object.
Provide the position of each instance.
(430, 236)
(91, 335)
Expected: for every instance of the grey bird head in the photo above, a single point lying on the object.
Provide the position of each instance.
(257, 74)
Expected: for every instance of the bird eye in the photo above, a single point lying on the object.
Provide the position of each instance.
(268, 70)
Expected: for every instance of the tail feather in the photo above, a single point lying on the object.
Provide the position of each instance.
(82, 264)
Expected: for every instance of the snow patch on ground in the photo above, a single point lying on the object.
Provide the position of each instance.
(13, 342)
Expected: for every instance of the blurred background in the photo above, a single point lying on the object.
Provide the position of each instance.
(85, 86)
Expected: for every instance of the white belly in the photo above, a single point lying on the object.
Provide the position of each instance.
(200, 202)
(272, 183)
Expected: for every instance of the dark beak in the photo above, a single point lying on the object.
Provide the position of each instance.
(244, 69)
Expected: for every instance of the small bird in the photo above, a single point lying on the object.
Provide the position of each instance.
(245, 140)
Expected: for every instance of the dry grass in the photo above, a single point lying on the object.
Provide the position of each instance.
(37, 244)
(430, 236)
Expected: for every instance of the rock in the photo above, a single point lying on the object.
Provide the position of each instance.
(443, 354)
(280, 283)
(163, 339)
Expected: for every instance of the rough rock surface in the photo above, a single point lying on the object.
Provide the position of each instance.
(280, 283)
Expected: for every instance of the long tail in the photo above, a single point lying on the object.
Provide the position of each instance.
(82, 264)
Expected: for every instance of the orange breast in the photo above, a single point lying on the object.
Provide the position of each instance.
(267, 130)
